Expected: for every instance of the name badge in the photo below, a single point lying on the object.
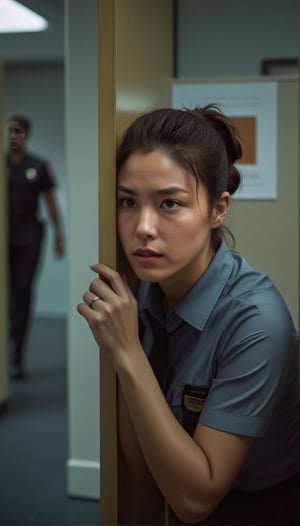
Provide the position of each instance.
(193, 400)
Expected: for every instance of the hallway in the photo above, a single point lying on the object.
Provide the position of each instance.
(34, 439)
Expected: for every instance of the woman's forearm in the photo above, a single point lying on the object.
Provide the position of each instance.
(176, 462)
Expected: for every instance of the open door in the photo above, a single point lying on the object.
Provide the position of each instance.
(135, 68)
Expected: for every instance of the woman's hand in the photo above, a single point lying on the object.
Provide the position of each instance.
(111, 312)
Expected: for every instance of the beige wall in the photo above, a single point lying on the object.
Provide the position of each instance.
(267, 232)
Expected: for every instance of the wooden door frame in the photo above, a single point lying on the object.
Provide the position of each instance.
(125, 27)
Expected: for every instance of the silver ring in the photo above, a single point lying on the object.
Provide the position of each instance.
(92, 301)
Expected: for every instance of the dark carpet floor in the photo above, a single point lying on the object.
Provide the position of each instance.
(33, 439)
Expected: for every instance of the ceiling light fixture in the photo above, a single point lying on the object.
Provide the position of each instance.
(16, 18)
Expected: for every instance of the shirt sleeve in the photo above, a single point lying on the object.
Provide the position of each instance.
(47, 179)
(256, 360)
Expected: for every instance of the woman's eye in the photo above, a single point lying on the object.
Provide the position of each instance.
(127, 202)
(170, 204)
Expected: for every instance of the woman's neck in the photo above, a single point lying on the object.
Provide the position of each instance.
(178, 286)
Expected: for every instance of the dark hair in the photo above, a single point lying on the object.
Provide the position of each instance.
(202, 140)
(24, 122)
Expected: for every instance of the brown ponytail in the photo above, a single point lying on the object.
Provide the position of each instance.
(230, 137)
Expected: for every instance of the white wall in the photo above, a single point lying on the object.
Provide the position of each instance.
(82, 168)
(37, 90)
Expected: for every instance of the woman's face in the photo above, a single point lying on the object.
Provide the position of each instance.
(164, 221)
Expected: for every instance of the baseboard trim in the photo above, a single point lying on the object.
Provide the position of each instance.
(83, 478)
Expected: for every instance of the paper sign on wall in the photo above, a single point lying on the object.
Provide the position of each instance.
(252, 107)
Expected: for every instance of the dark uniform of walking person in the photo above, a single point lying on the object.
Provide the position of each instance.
(28, 177)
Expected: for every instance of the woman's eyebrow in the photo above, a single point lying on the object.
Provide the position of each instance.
(126, 190)
(160, 191)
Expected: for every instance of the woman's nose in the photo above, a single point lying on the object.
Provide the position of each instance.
(147, 223)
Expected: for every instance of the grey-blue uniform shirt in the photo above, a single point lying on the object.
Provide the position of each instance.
(231, 363)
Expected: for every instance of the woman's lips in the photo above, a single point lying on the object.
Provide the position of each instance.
(146, 256)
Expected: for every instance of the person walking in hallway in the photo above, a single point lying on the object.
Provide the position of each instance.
(28, 177)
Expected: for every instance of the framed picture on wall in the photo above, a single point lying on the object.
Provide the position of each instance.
(252, 107)
(280, 66)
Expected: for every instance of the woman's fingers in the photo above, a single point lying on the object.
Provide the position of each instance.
(107, 290)
(109, 278)
(110, 309)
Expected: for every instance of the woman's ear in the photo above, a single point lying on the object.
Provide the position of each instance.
(220, 210)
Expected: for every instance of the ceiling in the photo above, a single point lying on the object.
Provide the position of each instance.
(39, 47)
